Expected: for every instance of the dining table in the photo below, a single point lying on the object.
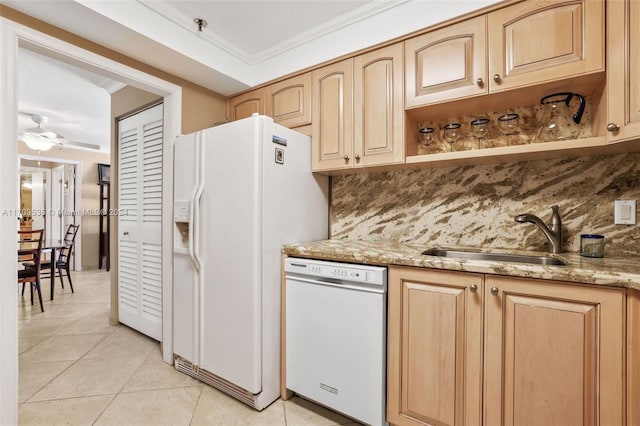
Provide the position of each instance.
(52, 246)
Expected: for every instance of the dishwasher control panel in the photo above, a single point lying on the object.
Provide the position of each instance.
(339, 271)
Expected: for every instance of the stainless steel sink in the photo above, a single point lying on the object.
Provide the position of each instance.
(495, 257)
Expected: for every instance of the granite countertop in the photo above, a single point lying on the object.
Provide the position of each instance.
(615, 272)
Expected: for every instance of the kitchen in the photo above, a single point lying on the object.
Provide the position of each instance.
(467, 200)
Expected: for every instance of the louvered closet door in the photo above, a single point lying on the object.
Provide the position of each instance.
(139, 221)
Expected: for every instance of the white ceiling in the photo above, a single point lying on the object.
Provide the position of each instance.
(76, 102)
(245, 42)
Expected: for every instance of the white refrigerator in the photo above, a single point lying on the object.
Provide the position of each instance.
(241, 191)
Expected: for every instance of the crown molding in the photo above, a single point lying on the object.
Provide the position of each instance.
(361, 13)
(167, 11)
(356, 15)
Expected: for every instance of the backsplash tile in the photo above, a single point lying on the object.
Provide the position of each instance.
(475, 206)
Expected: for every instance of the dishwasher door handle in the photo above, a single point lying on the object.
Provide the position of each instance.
(371, 288)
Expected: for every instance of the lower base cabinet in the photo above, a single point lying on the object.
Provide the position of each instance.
(474, 349)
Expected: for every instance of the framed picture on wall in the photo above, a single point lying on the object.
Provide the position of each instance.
(104, 173)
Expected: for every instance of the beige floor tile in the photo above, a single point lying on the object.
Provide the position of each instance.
(154, 373)
(173, 407)
(301, 412)
(41, 327)
(26, 343)
(34, 376)
(75, 411)
(216, 408)
(95, 323)
(123, 342)
(70, 310)
(92, 294)
(91, 377)
(62, 348)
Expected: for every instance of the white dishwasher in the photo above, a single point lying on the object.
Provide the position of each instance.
(336, 336)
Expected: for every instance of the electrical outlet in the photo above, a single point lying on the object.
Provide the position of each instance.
(625, 212)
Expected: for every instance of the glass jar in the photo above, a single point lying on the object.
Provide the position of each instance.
(592, 245)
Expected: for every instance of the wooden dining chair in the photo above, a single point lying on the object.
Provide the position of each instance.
(31, 273)
(63, 261)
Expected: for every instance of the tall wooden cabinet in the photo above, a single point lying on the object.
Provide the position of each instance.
(104, 227)
(623, 72)
(553, 352)
(358, 115)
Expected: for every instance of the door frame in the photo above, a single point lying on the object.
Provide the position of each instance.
(77, 258)
(14, 36)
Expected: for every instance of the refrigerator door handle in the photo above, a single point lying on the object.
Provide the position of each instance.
(195, 204)
(198, 302)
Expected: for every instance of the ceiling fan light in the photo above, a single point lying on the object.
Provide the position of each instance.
(37, 142)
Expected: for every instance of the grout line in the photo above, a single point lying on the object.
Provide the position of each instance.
(113, 398)
(196, 406)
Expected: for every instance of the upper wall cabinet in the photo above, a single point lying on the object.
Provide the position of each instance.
(378, 121)
(244, 105)
(529, 43)
(541, 41)
(289, 101)
(623, 74)
(358, 116)
(445, 64)
(332, 138)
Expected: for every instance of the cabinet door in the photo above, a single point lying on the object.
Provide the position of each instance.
(553, 353)
(244, 105)
(289, 101)
(541, 41)
(434, 347)
(623, 68)
(633, 357)
(446, 64)
(377, 104)
(332, 94)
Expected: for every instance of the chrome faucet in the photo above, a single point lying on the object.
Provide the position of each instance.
(553, 232)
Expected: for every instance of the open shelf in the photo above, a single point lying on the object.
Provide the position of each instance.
(527, 152)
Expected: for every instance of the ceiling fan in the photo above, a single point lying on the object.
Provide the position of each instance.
(39, 139)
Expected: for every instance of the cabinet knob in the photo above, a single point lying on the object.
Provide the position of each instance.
(496, 78)
(473, 288)
(494, 291)
(480, 82)
(346, 158)
(357, 157)
(613, 127)
(125, 233)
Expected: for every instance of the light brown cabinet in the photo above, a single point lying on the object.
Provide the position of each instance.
(358, 116)
(332, 133)
(541, 41)
(553, 352)
(378, 122)
(434, 359)
(623, 72)
(446, 64)
(526, 44)
(288, 102)
(243, 106)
